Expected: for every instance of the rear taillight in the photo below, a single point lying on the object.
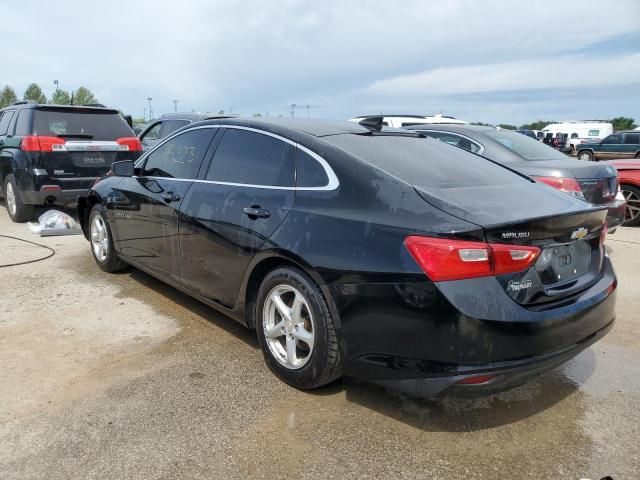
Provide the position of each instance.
(566, 185)
(129, 144)
(34, 143)
(444, 259)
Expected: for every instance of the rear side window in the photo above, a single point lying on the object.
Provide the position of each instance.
(251, 158)
(181, 156)
(632, 138)
(80, 123)
(612, 139)
(153, 133)
(594, 133)
(4, 121)
(309, 172)
(469, 145)
(22, 125)
(424, 162)
(170, 126)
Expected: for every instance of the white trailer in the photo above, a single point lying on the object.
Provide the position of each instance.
(579, 131)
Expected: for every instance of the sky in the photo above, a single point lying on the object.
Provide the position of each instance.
(491, 61)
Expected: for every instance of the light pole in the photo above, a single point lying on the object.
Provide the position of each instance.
(55, 82)
(293, 110)
(150, 111)
(175, 106)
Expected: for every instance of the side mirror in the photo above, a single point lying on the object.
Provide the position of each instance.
(123, 168)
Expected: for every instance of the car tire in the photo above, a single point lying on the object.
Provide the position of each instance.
(18, 211)
(300, 346)
(101, 240)
(632, 196)
(637, 155)
(585, 155)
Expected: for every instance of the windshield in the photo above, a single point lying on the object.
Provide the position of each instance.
(525, 147)
(94, 125)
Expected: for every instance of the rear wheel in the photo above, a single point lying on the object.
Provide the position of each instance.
(637, 155)
(632, 197)
(296, 331)
(102, 241)
(18, 211)
(585, 155)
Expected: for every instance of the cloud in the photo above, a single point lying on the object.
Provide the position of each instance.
(258, 55)
(577, 71)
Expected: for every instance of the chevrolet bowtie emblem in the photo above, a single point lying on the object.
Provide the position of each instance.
(579, 234)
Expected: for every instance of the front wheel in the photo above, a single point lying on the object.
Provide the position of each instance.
(101, 240)
(632, 197)
(585, 155)
(296, 331)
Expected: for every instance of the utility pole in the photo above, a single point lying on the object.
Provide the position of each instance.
(175, 106)
(293, 110)
(144, 114)
(308, 108)
(150, 110)
(55, 82)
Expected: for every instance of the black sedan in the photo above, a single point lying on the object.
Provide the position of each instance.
(382, 255)
(595, 183)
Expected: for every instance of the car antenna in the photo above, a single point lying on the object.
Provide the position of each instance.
(374, 124)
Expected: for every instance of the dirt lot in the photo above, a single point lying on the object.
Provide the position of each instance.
(118, 376)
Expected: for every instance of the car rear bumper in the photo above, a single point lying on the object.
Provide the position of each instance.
(423, 338)
(615, 214)
(65, 198)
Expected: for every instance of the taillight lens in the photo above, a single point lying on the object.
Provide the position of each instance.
(129, 144)
(444, 259)
(566, 185)
(34, 143)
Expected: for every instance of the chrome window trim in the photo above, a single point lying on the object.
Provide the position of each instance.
(459, 135)
(331, 176)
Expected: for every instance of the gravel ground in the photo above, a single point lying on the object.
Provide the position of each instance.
(119, 376)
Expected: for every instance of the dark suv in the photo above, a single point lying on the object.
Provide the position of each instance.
(162, 127)
(49, 154)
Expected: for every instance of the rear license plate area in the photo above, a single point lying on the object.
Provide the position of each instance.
(89, 159)
(559, 264)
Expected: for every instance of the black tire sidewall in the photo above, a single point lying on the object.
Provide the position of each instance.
(23, 212)
(311, 374)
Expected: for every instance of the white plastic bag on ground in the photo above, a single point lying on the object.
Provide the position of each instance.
(55, 222)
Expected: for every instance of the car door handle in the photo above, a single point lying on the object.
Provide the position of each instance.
(170, 197)
(256, 212)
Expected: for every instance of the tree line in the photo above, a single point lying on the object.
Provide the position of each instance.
(619, 123)
(80, 96)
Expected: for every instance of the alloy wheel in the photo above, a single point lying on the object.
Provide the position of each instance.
(288, 326)
(11, 199)
(633, 205)
(585, 156)
(99, 238)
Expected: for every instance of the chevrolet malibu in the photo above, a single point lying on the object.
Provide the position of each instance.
(382, 255)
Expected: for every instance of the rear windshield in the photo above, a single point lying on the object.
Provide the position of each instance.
(426, 162)
(90, 125)
(525, 147)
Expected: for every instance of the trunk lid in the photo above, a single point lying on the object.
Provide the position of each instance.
(566, 230)
(599, 182)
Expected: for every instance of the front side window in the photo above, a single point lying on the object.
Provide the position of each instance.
(632, 138)
(574, 135)
(170, 126)
(4, 121)
(612, 139)
(181, 156)
(251, 158)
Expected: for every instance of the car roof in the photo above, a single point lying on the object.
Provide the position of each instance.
(53, 106)
(314, 127)
(450, 127)
(193, 117)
